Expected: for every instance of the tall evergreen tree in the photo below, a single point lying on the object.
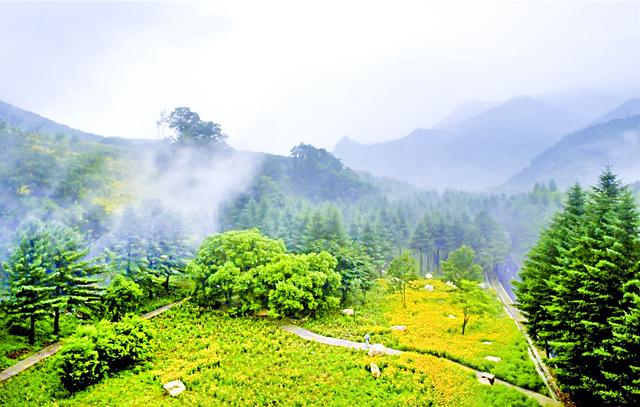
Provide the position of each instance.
(71, 275)
(29, 280)
(534, 291)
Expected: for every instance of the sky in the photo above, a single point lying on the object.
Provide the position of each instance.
(278, 73)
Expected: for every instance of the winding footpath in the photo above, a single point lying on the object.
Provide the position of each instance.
(327, 340)
(51, 350)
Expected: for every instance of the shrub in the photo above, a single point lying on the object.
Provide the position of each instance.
(122, 296)
(79, 364)
(123, 343)
(108, 347)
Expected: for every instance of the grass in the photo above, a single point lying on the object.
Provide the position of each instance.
(433, 327)
(247, 361)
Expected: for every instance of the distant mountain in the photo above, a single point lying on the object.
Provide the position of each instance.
(581, 156)
(463, 112)
(474, 154)
(31, 122)
(629, 108)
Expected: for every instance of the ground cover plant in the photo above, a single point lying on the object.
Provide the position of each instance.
(433, 327)
(247, 361)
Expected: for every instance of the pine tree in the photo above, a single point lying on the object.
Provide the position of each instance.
(71, 276)
(587, 295)
(29, 279)
(534, 291)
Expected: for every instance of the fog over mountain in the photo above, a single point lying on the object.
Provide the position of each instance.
(581, 155)
(482, 150)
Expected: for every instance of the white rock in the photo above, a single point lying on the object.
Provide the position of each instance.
(348, 311)
(428, 276)
(452, 316)
(451, 284)
(428, 287)
(487, 343)
(377, 349)
(486, 378)
(174, 388)
(398, 328)
(493, 359)
(375, 370)
(484, 286)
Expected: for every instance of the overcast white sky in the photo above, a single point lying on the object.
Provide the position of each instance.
(275, 73)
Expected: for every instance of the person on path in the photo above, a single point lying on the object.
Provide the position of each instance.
(366, 338)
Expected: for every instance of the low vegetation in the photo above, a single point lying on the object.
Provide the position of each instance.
(246, 361)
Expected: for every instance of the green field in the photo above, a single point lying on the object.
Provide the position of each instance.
(246, 361)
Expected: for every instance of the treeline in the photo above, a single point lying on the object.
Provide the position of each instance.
(580, 292)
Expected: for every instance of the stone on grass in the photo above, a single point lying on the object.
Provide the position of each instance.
(484, 286)
(375, 370)
(486, 378)
(348, 311)
(428, 287)
(428, 276)
(398, 328)
(377, 349)
(493, 359)
(452, 316)
(174, 388)
(451, 284)
(487, 343)
(262, 313)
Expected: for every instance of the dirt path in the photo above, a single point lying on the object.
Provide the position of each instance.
(327, 340)
(50, 350)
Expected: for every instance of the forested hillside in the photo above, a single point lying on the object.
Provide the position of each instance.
(580, 156)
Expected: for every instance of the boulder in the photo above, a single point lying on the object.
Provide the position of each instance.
(487, 343)
(348, 311)
(398, 328)
(451, 284)
(174, 388)
(428, 287)
(377, 349)
(486, 378)
(428, 276)
(494, 359)
(375, 371)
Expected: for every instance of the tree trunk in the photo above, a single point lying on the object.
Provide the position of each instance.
(464, 324)
(421, 263)
(404, 297)
(32, 330)
(166, 284)
(56, 321)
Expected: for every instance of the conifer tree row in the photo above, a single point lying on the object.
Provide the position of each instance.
(579, 292)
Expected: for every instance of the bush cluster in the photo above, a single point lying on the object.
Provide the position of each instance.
(96, 350)
(244, 272)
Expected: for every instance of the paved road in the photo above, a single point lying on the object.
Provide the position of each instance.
(50, 350)
(327, 340)
(518, 318)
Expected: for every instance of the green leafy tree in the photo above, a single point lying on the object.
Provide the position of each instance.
(121, 297)
(223, 258)
(474, 302)
(460, 265)
(401, 272)
(191, 130)
(353, 265)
